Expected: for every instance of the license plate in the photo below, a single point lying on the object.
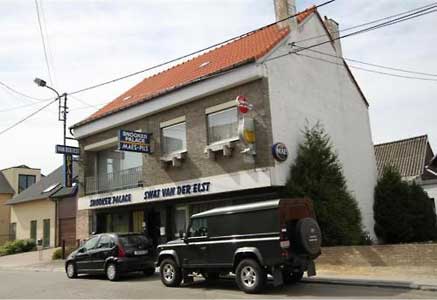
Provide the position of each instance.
(141, 252)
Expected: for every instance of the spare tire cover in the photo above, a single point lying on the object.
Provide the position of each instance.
(309, 235)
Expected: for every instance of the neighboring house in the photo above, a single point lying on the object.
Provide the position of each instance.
(6, 193)
(199, 161)
(12, 181)
(414, 159)
(44, 212)
(21, 177)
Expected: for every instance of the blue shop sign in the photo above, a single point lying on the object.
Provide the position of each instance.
(134, 141)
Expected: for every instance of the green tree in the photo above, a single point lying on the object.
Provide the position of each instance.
(317, 173)
(403, 212)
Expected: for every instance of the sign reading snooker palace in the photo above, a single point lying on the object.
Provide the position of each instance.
(133, 141)
(189, 188)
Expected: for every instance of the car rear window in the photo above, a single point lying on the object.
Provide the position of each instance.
(134, 241)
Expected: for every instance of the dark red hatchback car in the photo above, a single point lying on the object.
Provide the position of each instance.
(112, 254)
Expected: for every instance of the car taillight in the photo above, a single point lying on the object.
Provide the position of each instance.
(121, 252)
(283, 239)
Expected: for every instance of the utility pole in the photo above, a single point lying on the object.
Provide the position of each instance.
(66, 150)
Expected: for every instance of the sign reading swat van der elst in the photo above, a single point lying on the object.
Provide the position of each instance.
(134, 141)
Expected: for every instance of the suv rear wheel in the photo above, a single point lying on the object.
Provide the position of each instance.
(171, 274)
(250, 277)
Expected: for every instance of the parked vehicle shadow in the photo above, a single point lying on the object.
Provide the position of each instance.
(134, 276)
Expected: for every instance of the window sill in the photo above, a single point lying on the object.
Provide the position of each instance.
(225, 146)
(174, 158)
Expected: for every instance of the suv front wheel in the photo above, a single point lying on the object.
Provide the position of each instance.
(171, 274)
(250, 277)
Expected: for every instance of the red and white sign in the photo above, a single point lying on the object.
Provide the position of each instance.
(243, 104)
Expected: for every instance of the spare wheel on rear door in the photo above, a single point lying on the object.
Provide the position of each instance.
(309, 235)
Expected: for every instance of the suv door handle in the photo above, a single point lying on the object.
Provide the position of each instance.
(203, 248)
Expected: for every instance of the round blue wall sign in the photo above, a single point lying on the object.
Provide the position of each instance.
(280, 151)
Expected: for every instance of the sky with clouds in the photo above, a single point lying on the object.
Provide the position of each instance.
(94, 41)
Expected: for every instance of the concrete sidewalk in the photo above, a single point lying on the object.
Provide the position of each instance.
(423, 278)
(27, 259)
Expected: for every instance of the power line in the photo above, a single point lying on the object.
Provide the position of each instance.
(372, 64)
(20, 107)
(28, 116)
(366, 70)
(193, 53)
(82, 101)
(8, 87)
(370, 23)
(46, 34)
(385, 24)
(381, 25)
(43, 42)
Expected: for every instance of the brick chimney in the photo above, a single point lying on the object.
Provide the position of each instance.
(333, 29)
(284, 9)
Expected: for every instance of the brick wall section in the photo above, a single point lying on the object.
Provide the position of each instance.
(380, 255)
(82, 224)
(196, 164)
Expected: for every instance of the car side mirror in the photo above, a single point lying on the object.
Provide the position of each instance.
(82, 250)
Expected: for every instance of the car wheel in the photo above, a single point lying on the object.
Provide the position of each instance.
(112, 272)
(171, 274)
(250, 277)
(149, 271)
(292, 277)
(71, 270)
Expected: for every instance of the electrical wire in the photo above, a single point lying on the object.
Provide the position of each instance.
(43, 42)
(8, 87)
(372, 64)
(20, 107)
(193, 53)
(28, 116)
(46, 34)
(366, 70)
(370, 23)
(83, 102)
(381, 25)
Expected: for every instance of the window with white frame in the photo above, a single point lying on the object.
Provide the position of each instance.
(174, 138)
(223, 125)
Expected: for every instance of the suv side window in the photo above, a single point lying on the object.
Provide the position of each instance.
(91, 243)
(199, 228)
(105, 242)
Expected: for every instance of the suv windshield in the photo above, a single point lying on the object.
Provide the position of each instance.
(134, 241)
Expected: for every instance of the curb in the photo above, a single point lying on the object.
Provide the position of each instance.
(372, 283)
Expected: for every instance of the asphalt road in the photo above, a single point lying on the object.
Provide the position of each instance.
(39, 285)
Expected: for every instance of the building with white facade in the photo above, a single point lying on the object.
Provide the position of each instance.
(199, 159)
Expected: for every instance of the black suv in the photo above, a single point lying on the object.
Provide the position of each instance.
(112, 254)
(276, 237)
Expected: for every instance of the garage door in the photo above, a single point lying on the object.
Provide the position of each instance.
(67, 231)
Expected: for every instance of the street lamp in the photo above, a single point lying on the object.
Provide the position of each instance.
(62, 111)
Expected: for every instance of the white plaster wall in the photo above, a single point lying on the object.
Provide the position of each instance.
(304, 91)
(431, 189)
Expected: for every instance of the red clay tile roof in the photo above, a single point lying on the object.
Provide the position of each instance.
(409, 156)
(235, 53)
